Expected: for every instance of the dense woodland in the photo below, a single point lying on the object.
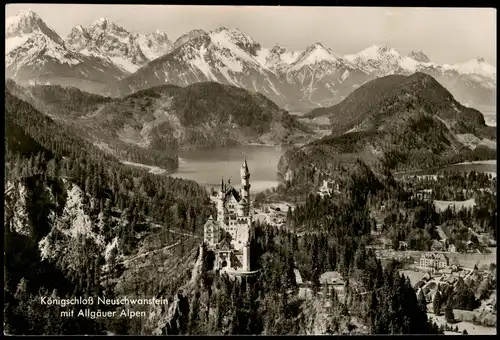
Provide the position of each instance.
(44, 158)
(72, 106)
(401, 123)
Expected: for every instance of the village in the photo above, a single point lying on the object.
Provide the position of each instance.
(443, 265)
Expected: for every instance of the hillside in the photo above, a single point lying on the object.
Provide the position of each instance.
(149, 126)
(76, 220)
(403, 122)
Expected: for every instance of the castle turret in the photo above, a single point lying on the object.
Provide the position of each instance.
(220, 202)
(245, 186)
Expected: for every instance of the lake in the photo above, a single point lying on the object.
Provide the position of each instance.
(208, 166)
(489, 166)
(489, 112)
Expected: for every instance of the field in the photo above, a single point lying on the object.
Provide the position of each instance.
(443, 205)
(469, 260)
(470, 327)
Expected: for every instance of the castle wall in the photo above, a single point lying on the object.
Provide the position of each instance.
(233, 217)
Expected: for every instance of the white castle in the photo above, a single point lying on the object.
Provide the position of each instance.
(229, 236)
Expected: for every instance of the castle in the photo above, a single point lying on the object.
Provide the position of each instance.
(229, 235)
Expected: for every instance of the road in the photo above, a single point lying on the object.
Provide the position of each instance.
(151, 251)
(173, 231)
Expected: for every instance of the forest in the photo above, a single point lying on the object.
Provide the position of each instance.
(47, 160)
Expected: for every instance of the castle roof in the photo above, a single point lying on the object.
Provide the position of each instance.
(224, 245)
(232, 191)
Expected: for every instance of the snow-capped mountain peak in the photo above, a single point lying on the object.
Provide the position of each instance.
(104, 24)
(382, 60)
(378, 51)
(187, 37)
(418, 55)
(129, 51)
(314, 54)
(24, 23)
(477, 66)
(277, 58)
(36, 53)
(223, 36)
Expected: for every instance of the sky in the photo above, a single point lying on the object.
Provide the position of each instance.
(445, 35)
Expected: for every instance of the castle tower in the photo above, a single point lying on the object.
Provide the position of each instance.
(220, 202)
(246, 258)
(245, 186)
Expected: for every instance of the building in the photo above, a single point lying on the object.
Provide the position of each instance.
(425, 194)
(298, 278)
(229, 235)
(452, 248)
(470, 246)
(331, 279)
(403, 245)
(433, 261)
(328, 188)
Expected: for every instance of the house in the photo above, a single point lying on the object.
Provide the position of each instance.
(470, 246)
(403, 245)
(452, 248)
(328, 188)
(425, 194)
(331, 278)
(433, 261)
(298, 278)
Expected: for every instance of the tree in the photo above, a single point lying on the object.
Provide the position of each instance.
(448, 312)
(437, 302)
(422, 302)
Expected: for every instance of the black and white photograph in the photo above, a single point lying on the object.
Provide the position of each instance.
(249, 170)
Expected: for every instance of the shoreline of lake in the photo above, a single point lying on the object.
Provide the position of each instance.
(208, 166)
(489, 162)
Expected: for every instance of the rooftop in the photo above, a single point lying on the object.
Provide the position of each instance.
(331, 277)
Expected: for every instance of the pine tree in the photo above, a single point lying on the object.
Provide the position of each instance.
(422, 302)
(437, 302)
(448, 312)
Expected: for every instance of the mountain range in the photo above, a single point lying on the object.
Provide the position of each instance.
(107, 59)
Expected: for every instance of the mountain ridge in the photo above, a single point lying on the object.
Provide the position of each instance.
(400, 122)
(230, 57)
(151, 125)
